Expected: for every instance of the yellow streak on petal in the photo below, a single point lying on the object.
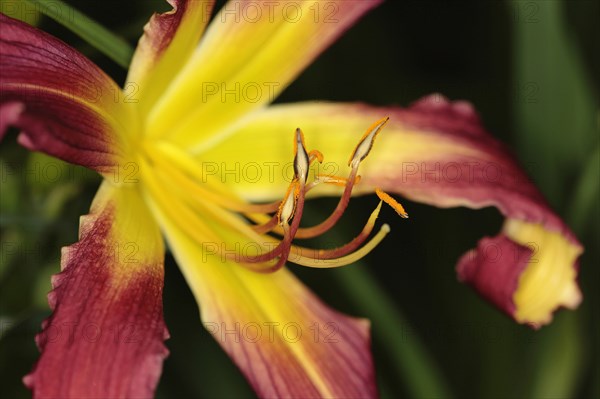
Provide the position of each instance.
(134, 243)
(330, 128)
(181, 216)
(272, 306)
(152, 69)
(241, 65)
(549, 281)
(201, 172)
(249, 296)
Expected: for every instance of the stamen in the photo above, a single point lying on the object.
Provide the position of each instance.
(288, 205)
(301, 158)
(195, 207)
(360, 153)
(328, 254)
(391, 202)
(286, 243)
(366, 142)
(315, 154)
(265, 227)
(324, 226)
(195, 228)
(269, 223)
(335, 180)
(348, 259)
(346, 248)
(295, 197)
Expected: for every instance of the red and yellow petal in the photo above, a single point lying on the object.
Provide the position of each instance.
(435, 152)
(168, 41)
(105, 337)
(281, 336)
(250, 53)
(63, 104)
(523, 271)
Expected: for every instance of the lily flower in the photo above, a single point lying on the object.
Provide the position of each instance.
(167, 145)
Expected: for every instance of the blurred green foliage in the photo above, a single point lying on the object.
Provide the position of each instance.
(526, 66)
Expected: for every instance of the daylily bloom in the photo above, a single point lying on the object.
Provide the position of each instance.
(166, 144)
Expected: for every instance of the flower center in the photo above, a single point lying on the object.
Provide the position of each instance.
(260, 236)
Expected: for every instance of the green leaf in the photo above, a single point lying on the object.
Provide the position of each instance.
(556, 121)
(113, 46)
(415, 366)
(586, 193)
(554, 102)
(21, 10)
(559, 359)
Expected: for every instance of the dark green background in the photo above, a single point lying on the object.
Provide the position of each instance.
(527, 66)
